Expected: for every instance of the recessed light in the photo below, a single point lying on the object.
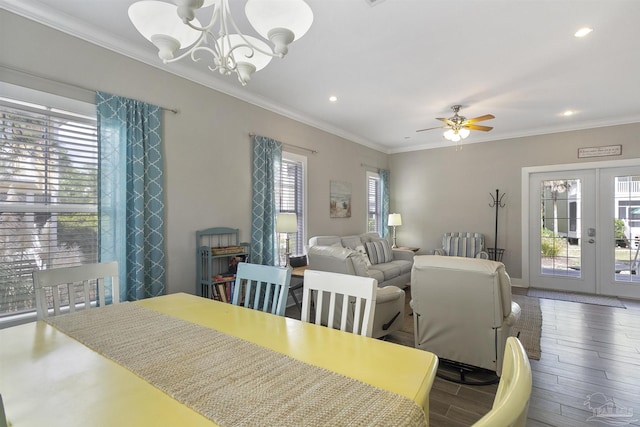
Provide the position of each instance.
(333, 98)
(583, 32)
(568, 113)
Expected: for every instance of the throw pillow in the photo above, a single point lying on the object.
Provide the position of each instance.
(360, 263)
(363, 251)
(379, 251)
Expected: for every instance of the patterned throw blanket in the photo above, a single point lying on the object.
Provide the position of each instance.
(229, 380)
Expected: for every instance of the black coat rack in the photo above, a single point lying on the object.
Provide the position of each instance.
(495, 253)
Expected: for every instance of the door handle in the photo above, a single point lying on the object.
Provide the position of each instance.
(592, 240)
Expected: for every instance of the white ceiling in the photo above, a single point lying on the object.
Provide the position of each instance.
(398, 65)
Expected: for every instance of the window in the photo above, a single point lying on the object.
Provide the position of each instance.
(374, 203)
(48, 190)
(290, 199)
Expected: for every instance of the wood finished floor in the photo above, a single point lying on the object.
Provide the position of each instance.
(586, 349)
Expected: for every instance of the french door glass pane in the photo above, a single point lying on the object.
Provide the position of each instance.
(626, 227)
(560, 239)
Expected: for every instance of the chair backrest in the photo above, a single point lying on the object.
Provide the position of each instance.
(262, 287)
(511, 403)
(3, 416)
(463, 244)
(47, 285)
(342, 290)
(461, 303)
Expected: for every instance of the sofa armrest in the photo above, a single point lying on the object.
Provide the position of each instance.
(403, 254)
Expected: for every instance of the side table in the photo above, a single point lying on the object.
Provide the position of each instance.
(408, 248)
(298, 274)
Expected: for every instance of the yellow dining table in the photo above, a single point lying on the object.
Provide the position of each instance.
(48, 378)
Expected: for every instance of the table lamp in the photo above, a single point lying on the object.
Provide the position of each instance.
(287, 223)
(394, 220)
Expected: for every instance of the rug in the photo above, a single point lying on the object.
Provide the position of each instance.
(576, 297)
(529, 326)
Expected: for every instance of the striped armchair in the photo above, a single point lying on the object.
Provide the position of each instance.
(464, 244)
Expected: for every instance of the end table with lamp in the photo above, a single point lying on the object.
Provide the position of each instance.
(395, 219)
(287, 223)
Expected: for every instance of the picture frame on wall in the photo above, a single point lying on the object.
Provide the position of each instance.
(340, 199)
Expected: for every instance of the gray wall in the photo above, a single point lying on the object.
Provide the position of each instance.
(207, 145)
(207, 154)
(447, 190)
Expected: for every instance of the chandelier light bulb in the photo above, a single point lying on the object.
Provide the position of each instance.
(464, 132)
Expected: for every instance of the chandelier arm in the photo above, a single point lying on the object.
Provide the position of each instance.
(189, 52)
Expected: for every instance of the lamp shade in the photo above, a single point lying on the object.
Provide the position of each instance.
(286, 223)
(153, 18)
(395, 219)
(267, 15)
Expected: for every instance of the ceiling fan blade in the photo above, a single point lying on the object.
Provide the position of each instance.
(478, 127)
(438, 127)
(447, 121)
(481, 118)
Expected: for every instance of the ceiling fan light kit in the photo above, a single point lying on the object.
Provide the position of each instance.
(459, 127)
(173, 27)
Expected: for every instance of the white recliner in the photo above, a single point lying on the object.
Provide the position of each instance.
(462, 309)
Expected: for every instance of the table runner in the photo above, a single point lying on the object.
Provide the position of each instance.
(229, 380)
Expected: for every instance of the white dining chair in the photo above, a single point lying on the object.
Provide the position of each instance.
(61, 285)
(262, 287)
(344, 292)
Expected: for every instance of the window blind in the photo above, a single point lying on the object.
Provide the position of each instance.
(291, 197)
(374, 203)
(48, 195)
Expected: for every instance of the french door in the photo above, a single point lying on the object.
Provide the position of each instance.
(584, 230)
(619, 257)
(563, 230)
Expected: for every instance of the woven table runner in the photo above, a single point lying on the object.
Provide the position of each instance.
(229, 380)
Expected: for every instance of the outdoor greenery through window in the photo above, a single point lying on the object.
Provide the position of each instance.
(374, 203)
(48, 194)
(290, 199)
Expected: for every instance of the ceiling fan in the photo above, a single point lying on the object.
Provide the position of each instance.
(459, 126)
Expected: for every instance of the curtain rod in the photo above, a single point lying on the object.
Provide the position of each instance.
(364, 165)
(311, 150)
(75, 86)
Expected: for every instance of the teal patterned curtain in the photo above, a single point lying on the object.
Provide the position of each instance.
(265, 178)
(131, 194)
(384, 212)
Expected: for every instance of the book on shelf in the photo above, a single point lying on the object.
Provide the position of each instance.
(222, 292)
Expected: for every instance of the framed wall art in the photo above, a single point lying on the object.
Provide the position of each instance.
(340, 200)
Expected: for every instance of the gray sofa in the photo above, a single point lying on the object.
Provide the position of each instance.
(348, 255)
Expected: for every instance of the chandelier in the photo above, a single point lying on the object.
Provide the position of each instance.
(174, 29)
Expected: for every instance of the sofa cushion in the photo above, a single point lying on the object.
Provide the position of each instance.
(376, 274)
(351, 242)
(325, 241)
(388, 270)
(379, 251)
(403, 265)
